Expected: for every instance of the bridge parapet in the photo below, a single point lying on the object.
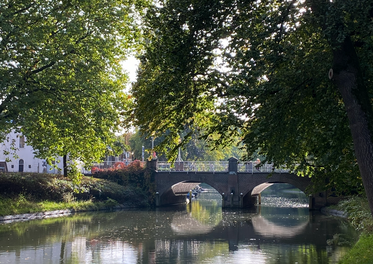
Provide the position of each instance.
(217, 166)
(239, 183)
(194, 166)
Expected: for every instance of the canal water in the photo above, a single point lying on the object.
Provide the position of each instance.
(281, 230)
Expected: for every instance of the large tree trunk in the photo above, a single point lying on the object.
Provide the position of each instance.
(347, 76)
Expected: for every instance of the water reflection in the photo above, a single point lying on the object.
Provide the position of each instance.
(200, 233)
(267, 228)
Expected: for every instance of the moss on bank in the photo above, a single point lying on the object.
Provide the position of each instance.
(33, 192)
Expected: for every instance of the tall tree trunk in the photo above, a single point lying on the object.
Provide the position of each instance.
(65, 165)
(347, 76)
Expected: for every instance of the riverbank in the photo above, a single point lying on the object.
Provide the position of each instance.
(356, 210)
(36, 196)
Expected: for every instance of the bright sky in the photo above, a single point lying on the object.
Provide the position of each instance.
(130, 66)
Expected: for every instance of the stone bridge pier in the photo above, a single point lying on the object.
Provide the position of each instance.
(238, 189)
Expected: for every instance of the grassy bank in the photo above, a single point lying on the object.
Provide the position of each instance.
(360, 217)
(361, 253)
(32, 192)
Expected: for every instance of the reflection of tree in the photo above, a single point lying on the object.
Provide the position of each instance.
(185, 224)
(55, 230)
(301, 254)
(208, 215)
(189, 251)
(198, 219)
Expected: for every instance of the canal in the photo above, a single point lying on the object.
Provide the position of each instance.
(281, 230)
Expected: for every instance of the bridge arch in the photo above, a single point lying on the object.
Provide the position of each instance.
(237, 190)
(172, 187)
(237, 184)
(251, 187)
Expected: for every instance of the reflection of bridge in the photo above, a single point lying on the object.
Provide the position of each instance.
(239, 184)
(257, 226)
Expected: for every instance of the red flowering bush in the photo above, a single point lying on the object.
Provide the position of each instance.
(95, 169)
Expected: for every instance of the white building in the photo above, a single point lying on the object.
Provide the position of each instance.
(25, 160)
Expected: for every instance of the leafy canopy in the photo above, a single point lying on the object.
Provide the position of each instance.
(61, 82)
(257, 70)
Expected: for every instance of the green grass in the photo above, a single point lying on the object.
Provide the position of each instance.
(23, 205)
(361, 253)
(360, 217)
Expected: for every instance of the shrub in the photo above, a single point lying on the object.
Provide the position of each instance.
(358, 212)
(133, 175)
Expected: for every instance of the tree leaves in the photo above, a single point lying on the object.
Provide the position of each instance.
(61, 78)
(258, 70)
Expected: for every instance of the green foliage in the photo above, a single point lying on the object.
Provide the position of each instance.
(138, 139)
(61, 78)
(358, 212)
(25, 193)
(197, 148)
(135, 176)
(26, 204)
(258, 71)
(361, 253)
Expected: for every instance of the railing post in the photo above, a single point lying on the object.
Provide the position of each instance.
(249, 166)
(179, 166)
(233, 181)
(152, 164)
(232, 165)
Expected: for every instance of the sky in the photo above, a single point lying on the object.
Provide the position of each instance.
(130, 66)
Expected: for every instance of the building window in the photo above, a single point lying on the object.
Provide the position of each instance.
(22, 142)
(20, 166)
(29, 166)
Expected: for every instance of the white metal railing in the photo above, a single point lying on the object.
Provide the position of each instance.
(216, 166)
(194, 166)
(251, 167)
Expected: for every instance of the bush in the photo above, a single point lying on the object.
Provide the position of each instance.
(38, 185)
(51, 187)
(133, 176)
(357, 209)
(123, 175)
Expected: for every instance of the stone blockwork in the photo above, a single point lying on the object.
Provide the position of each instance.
(236, 189)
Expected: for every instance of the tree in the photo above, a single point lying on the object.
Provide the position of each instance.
(61, 81)
(139, 140)
(194, 149)
(199, 148)
(292, 78)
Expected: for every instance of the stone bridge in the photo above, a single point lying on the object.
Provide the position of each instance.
(238, 188)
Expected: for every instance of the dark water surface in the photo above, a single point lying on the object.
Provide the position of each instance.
(200, 233)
